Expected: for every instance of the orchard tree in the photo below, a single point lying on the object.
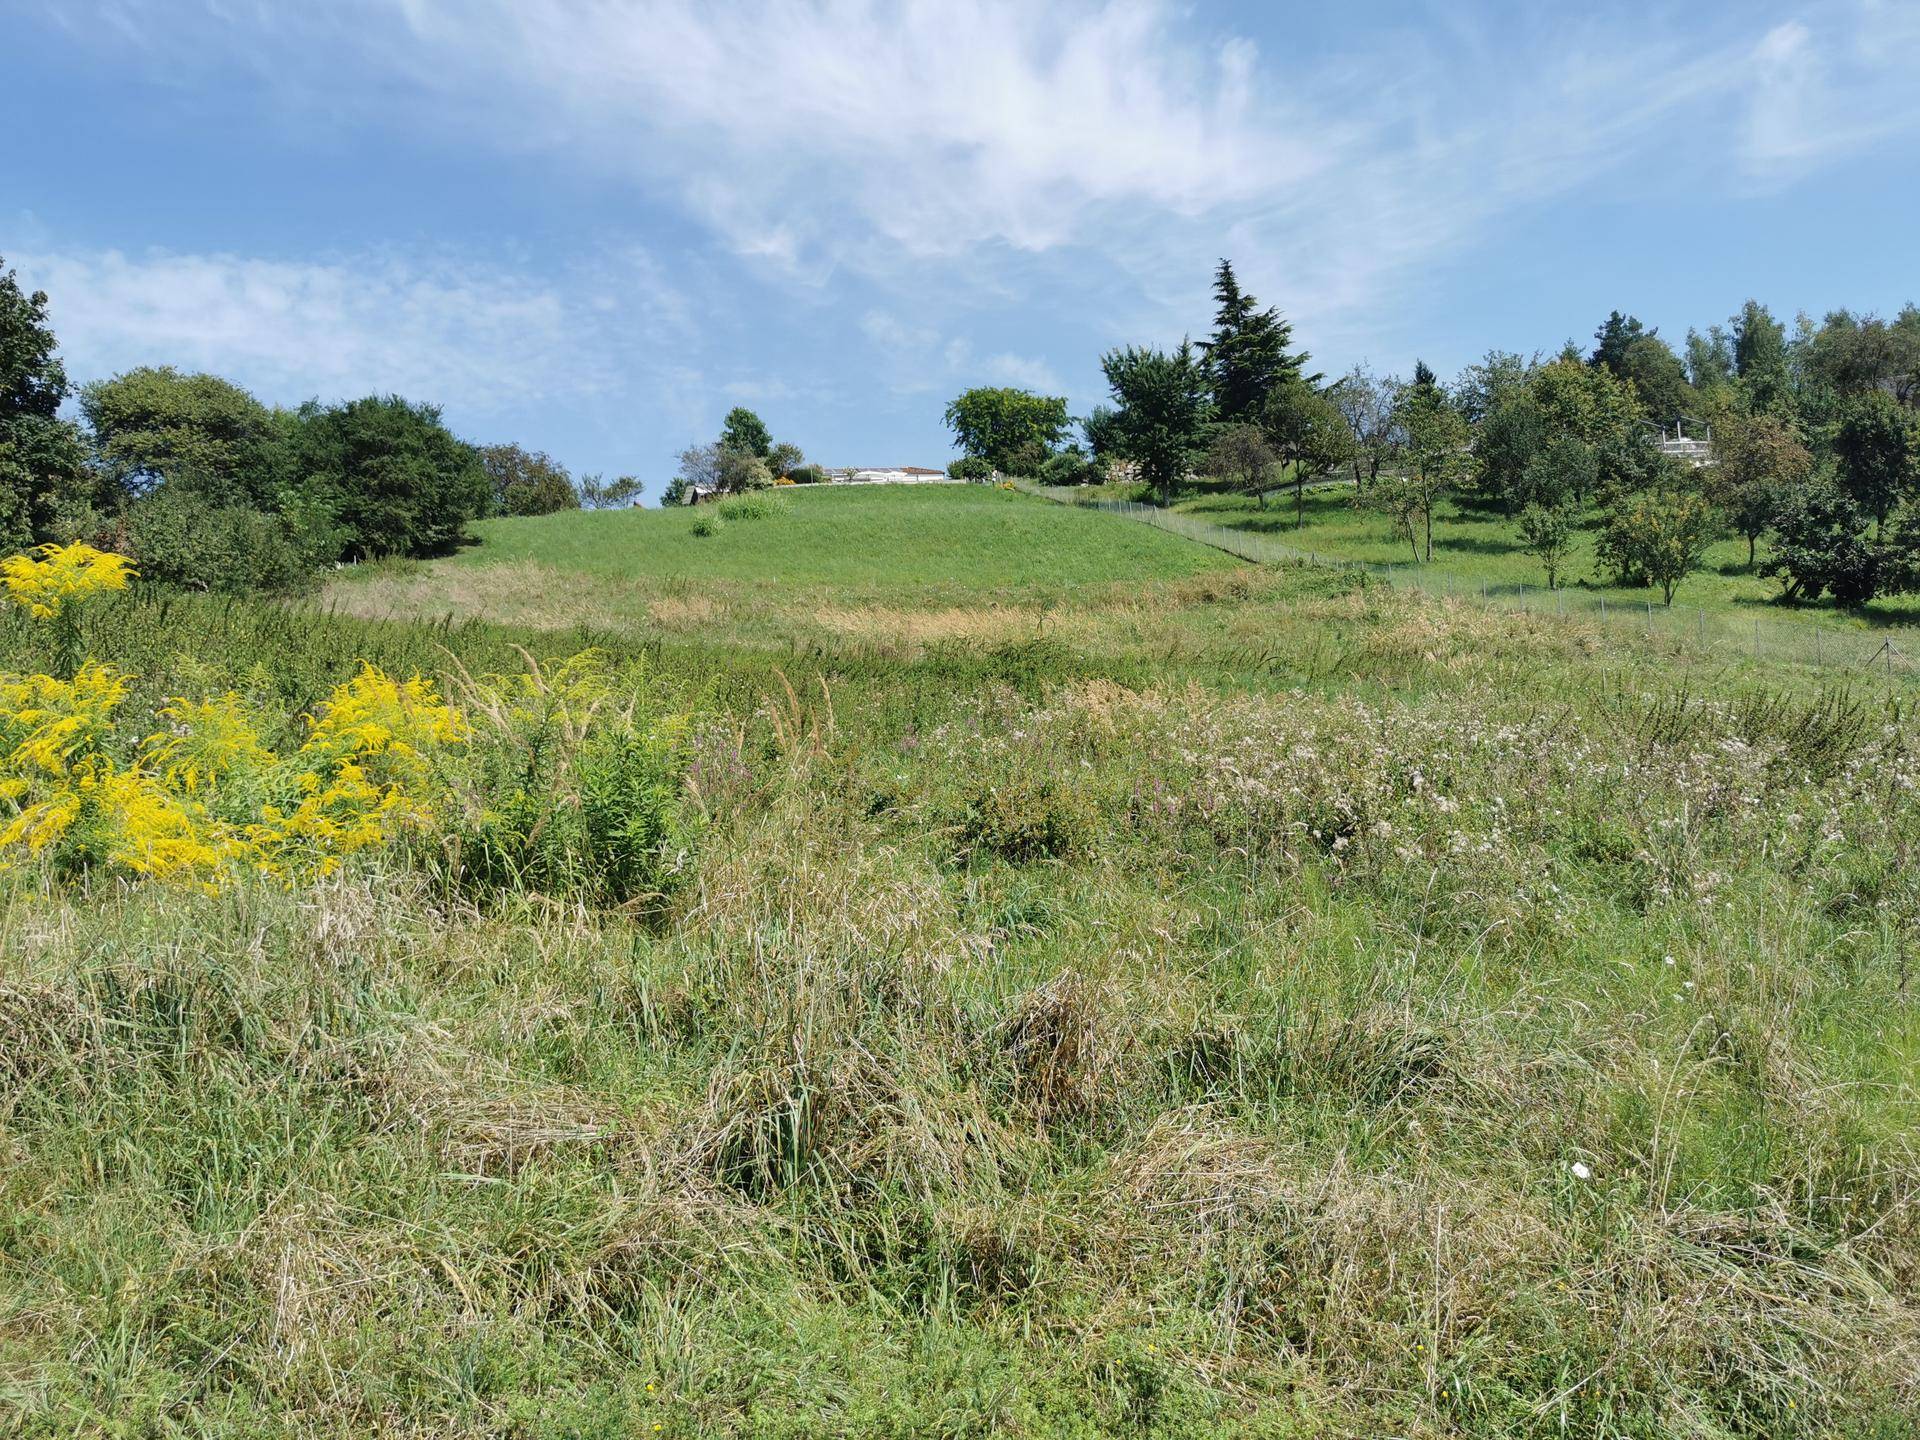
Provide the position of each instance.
(1437, 451)
(1311, 436)
(599, 493)
(1547, 533)
(1877, 448)
(746, 433)
(1365, 402)
(1657, 538)
(1163, 409)
(994, 422)
(1761, 464)
(1821, 546)
(43, 463)
(784, 458)
(1240, 454)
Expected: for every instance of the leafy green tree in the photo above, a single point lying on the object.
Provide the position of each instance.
(1710, 362)
(1547, 532)
(1760, 357)
(1559, 477)
(43, 464)
(1508, 441)
(1164, 407)
(1656, 537)
(784, 458)
(1761, 463)
(1247, 355)
(1027, 459)
(745, 432)
(183, 535)
(1407, 504)
(1102, 429)
(1854, 355)
(740, 472)
(1821, 546)
(971, 467)
(993, 422)
(1239, 453)
(155, 425)
(397, 480)
(1500, 377)
(1310, 435)
(1438, 454)
(1877, 449)
(526, 482)
(1071, 466)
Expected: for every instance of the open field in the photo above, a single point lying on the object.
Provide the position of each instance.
(1131, 995)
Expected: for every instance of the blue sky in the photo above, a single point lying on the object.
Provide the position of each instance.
(592, 226)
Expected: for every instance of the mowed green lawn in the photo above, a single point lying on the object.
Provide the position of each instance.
(857, 538)
(1473, 545)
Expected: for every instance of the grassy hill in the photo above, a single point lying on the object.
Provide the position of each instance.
(1112, 994)
(860, 537)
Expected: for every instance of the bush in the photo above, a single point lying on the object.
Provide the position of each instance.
(1072, 466)
(973, 467)
(706, 526)
(807, 475)
(183, 538)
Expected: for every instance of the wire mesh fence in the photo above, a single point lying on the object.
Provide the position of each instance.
(1709, 634)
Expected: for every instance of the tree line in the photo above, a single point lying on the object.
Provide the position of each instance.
(205, 486)
(1815, 440)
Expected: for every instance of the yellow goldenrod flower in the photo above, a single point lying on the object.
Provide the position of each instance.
(45, 579)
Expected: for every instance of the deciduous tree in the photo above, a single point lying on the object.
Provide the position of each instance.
(1163, 409)
(993, 422)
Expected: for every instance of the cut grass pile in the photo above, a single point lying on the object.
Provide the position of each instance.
(1244, 1005)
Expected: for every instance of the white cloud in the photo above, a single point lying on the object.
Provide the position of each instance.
(473, 334)
(1821, 94)
(951, 157)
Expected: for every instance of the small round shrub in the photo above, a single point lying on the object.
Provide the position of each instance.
(706, 526)
(973, 467)
(807, 475)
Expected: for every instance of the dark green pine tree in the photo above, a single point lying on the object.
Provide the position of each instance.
(1424, 380)
(1248, 356)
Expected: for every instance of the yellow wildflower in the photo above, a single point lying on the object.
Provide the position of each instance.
(205, 741)
(46, 578)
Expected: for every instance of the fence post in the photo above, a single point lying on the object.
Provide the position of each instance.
(1819, 660)
(1700, 624)
(1756, 639)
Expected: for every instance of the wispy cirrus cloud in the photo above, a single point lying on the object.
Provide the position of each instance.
(941, 164)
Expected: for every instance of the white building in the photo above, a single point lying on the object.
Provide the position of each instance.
(887, 475)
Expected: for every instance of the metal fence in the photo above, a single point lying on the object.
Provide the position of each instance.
(1686, 629)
